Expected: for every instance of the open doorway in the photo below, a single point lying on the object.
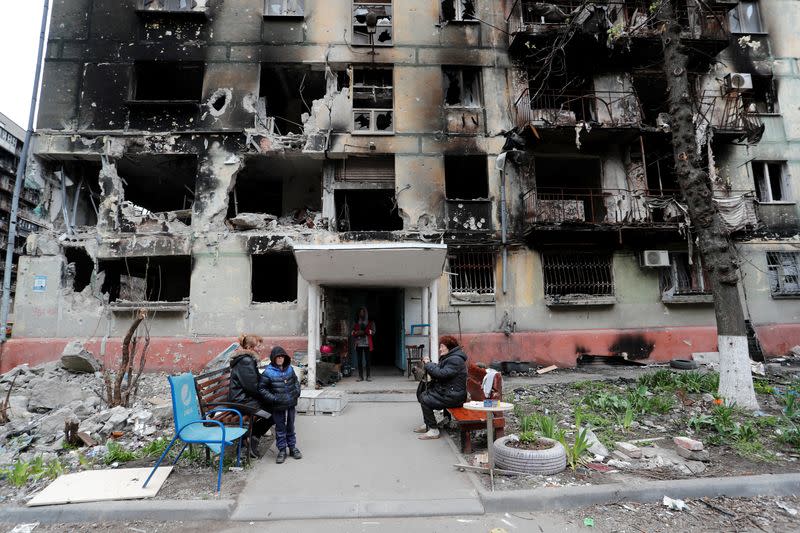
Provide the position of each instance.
(385, 307)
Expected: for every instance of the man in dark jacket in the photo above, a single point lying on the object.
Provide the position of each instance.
(280, 389)
(448, 385)
(244, 388)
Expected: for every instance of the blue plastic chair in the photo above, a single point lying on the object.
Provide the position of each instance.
(192, 428)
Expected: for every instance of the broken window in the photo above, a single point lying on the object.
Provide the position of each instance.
(367, 209)
(168, 82)
(471, 274)
(684, 277)
(745, 18)
(381, 12)
(147, 279)
(458, 10)
(567, 190)
(462, 87)
(764, 96)
(284, 8)
(571, 277)
(770, 182)
(159, 183)
(373, 100)
(79, 268)
(273, 278)
(276, 186)
(288, 92)
(167, 5)
(82, 188)
(783, 273)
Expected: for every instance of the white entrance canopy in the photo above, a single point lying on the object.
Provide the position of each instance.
(398, 265)
(371, 264)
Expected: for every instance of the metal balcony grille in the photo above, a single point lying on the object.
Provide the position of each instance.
(472, 274)
(783, 273)
(582, 274)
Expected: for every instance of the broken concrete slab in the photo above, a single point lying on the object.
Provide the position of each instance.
(47, 394)
(52, 425)
(78, 359)
(688, 444)
(701, 455)
(631, 450)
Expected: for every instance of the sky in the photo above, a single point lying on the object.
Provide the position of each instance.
(20, 22)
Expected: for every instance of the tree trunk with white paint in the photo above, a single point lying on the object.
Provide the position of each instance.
(716, 250)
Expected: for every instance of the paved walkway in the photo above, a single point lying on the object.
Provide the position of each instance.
(363, 463)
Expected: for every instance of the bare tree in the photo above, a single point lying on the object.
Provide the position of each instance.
(716, 249)
(129, 372)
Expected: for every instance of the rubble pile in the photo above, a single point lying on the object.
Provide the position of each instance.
(45, 398)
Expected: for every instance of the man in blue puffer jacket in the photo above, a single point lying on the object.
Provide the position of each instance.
(280, 389)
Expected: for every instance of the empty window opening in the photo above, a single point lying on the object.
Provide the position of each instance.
(651, 91)
(82, 186)
(770, 181)
(284, 8)
(367, 210)
(764, 96)
(581, 275)
(683, 277)
(568, 189)
(159, 183)
(147, 279)
(288, 92)
(79, 267)
(466, 177)
(562, 97)
(783, 273)
(379, 14)
(274, 278)
(462, 87)
(277, 186)
(458, 10)
(167, 5)
(373, 100)
(745, 18)
(471, 274)
(157, 81)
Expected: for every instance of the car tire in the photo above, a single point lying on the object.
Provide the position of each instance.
(684, 364)
(544, 462)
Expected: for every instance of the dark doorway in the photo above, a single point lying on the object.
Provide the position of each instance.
(385, 309)
(79, 267)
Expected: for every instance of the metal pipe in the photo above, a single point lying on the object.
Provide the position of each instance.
(75, 203)
(504, 220)
(23, 160)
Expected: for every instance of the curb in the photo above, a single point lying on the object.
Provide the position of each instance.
(547, 499)
(114, 511)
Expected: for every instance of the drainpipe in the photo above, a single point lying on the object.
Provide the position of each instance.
(501, 166)
(23, 163)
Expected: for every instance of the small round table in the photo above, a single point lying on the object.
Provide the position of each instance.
(500, 407)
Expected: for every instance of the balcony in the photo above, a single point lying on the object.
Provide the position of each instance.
(733, 117)
(604, 109)
(532, 21)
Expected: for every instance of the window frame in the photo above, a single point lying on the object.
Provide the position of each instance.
(777, 270)
(460, 71)
(198, 8)
(386, 4)
(284, 14)
(671, 293)
(738, 9)
(766, 185)
(473, 276)
(458, 7)
(373, 111)
(579, 299)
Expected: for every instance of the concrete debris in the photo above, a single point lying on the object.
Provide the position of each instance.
(247, 221)
(52, 424)
(76, 358)
(687, 443)
(632, 451)
(701, 455)
(790, 511)
(795, 352)
(675, 505)
(24, 528)
(595, 446)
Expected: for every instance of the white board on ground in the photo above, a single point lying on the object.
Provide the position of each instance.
(102, 485)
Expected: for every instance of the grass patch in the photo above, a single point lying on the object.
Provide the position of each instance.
(689, 381)
(22, 472)
(117, 453)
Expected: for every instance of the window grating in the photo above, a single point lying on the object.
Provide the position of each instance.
(472, 274)
(783, 273)
(682, 278)
(578, 274)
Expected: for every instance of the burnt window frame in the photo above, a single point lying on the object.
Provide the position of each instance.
(387, 5)
(776, 274)
(604, 259)
(745, 31)
(763, 184)
(373, 111)
(459, 71)
(458, 9)
(470, 283)
(135, 99)
(680, 267)
(196, 9)
(286, 11)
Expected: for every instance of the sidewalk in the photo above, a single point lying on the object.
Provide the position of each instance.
(363, 463)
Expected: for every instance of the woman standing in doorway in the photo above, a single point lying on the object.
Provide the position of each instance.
(362, 333)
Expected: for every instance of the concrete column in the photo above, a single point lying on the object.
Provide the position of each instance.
(313, 334)
(433, 319)
(426, 316)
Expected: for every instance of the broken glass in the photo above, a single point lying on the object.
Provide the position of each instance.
(745, 18)
(462, 87)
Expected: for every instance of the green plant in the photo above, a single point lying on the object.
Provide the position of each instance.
(789, 435)
(53, 469)
(762, 386)
(746, 432)
(21, 472)
(576, 450)
(791, 406)
(696, 423)
(155, 448)
(117, 454)
(548, 428)
(660, 379)
(527, 437)
(627, 418)
(18, 473)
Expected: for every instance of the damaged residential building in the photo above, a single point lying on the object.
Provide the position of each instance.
(496, 170)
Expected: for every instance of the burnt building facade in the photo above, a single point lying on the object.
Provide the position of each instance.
(270, 166)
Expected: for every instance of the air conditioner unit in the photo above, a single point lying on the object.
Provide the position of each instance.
(655, 258)
(738, 81)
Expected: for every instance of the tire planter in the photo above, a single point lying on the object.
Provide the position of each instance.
(545, 462)
(684, 364)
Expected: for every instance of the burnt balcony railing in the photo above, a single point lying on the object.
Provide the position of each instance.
(732, 115)
(632, 18)
(607, 108)
(551, 205)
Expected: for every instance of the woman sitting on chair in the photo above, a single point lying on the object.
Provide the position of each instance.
(447, 388)
(244, 388)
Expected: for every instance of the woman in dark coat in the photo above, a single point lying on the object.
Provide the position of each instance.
(244, 387)
(448, 385)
